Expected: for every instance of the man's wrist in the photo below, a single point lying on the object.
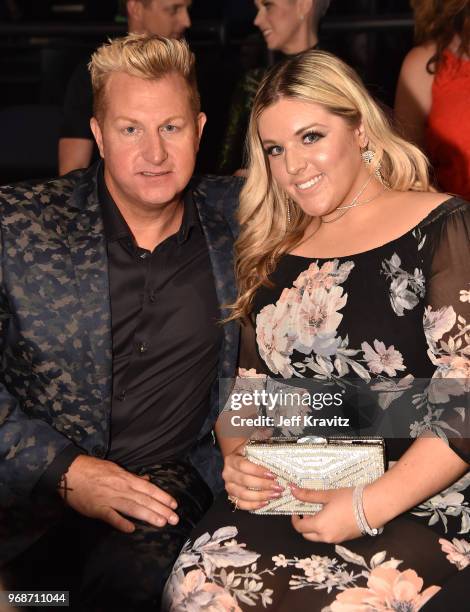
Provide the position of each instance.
(63, 487)
(50, 479)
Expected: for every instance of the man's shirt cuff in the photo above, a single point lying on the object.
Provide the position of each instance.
(50, 479)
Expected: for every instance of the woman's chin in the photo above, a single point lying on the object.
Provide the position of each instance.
(271, 44)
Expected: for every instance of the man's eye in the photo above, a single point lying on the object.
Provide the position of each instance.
(274, 151)
(129, 130)
(311, 137)
(170, 128)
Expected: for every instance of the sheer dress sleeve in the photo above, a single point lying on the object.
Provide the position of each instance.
(248, 358)
(251, 375)
(446, 318)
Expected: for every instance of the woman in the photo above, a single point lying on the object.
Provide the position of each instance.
(434, 88)
(288, 26)
(347, 264)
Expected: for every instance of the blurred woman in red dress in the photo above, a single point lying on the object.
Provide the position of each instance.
(432, 100)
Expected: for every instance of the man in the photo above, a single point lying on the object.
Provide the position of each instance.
(112, 291)
(168, 18)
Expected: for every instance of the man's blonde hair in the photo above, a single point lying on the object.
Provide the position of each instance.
(146, 57)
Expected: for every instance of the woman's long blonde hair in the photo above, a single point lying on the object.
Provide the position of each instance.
(320, 77)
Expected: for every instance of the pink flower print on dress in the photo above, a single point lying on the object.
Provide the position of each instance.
(193, 593)
(382, 359)
(317, 320)
(274, 340)
(388, 590)
(326, 277)
(436, 323)
(457, 552)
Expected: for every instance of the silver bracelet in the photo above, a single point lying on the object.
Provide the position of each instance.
(359, 515)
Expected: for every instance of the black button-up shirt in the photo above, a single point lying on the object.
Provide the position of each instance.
(166, 338)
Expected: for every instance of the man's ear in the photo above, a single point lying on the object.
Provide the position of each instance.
(200, 123)
(95, 128)
(134, 15)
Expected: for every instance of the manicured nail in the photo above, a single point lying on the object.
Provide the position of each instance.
(270, 475)
(275, 495)
(277, 488)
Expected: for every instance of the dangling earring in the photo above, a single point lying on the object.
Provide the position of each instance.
(368, 157)
(288, 210)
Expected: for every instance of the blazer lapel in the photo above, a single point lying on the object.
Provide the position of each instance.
(220, 240)
(83, 225)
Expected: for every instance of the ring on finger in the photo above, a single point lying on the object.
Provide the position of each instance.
(234, 500)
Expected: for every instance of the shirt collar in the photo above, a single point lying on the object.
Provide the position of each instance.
(115, 226)
(190, 217)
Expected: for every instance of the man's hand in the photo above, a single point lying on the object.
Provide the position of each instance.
(103, 490)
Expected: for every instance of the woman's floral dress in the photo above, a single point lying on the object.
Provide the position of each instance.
(391, 315)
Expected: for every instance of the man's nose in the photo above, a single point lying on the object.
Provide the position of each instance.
(258, 19)
(154, 149)
(185, 19)
(295, 161)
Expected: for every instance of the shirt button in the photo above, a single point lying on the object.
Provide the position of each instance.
(143, 347)
(99, 451)
(144, 255)
(121, 395)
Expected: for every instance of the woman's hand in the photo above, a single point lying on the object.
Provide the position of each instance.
(335, 523)
(427, 467)
(250, 486)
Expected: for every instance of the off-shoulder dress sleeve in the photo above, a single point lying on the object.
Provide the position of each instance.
(446, 318)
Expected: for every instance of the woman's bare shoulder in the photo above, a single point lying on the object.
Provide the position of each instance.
(413, 96)
(417, 58)
(430, 198)
(421, 202)
(425, 199)
(406, 209)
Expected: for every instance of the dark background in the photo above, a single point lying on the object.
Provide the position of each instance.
(41, 41)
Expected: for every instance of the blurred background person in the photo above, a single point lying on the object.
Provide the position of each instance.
(433, 92)
(43, 41)
(288, 26)
(169, 18)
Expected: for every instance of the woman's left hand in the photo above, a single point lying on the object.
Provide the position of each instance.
(334, 523)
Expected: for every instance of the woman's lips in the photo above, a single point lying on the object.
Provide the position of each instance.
(310, 183)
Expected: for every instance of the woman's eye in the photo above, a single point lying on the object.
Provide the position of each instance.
(311, 137)
(274, 151)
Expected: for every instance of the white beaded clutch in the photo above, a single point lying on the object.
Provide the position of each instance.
(316, 463)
